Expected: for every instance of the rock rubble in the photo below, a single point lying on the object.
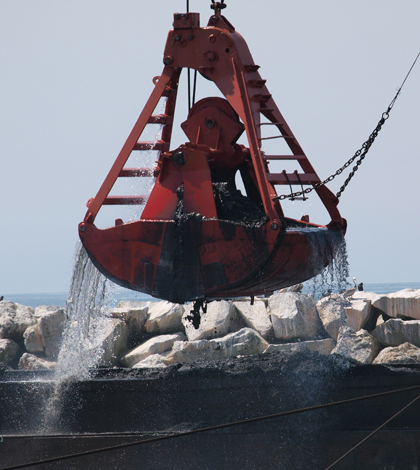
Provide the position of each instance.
(365, 328)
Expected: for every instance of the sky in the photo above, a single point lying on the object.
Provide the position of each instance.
(76, 74)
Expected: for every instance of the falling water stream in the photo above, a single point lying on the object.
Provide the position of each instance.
(86, 317)
(86, 310)
(333, 278)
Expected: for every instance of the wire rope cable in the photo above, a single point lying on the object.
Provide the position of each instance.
(210, 428)
(361, 153)
(371, 434)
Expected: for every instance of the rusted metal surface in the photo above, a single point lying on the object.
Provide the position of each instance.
(190, 242)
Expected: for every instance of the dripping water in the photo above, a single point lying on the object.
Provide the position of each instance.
(333, 277)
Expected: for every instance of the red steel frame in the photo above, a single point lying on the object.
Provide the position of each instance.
(221, 55)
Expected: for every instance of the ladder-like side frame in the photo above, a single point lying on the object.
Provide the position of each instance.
(222, 55)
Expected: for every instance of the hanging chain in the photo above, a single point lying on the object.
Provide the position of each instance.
(361, 153)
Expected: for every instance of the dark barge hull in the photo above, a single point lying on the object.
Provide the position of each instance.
(179, 399)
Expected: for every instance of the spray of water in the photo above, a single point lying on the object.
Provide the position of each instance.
(80, 351)
(86, 318)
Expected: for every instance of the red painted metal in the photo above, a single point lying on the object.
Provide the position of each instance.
(186, 246)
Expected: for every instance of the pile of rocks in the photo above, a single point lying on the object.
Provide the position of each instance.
(364, 328)
(30, 339)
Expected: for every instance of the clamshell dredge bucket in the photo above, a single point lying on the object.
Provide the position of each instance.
(198, 237)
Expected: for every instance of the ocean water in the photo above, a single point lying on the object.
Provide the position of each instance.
(59, 298)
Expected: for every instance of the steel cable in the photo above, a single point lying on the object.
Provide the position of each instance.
(360, 153)
(371, 434)
(212, 428)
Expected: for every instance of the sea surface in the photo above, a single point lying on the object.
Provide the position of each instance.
(59, 298)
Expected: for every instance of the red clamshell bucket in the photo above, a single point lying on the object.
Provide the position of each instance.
(198, 236)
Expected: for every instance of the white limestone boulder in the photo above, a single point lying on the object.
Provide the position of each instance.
(379, 321)
(256, 316)
(244, 342)
(321, 346)
(332, 311)
(155, 345)
(9, 351)
(405, 353)
(33, 339)
(220, 319)
(112, 340)
(294, 317)
(359, 313)
(359, 346)
(32, 362)
(135, 319)
(50, 322)
(155, 361)
(164, 317)
(404, 303)
(396, 331)
(14, 319)
(375, 299)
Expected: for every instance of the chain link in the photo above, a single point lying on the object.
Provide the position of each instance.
(361, 153)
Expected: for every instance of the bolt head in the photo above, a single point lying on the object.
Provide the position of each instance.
(179, 158)
(210, 55)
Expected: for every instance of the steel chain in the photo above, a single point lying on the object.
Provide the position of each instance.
(360, 153)
(363, 151)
